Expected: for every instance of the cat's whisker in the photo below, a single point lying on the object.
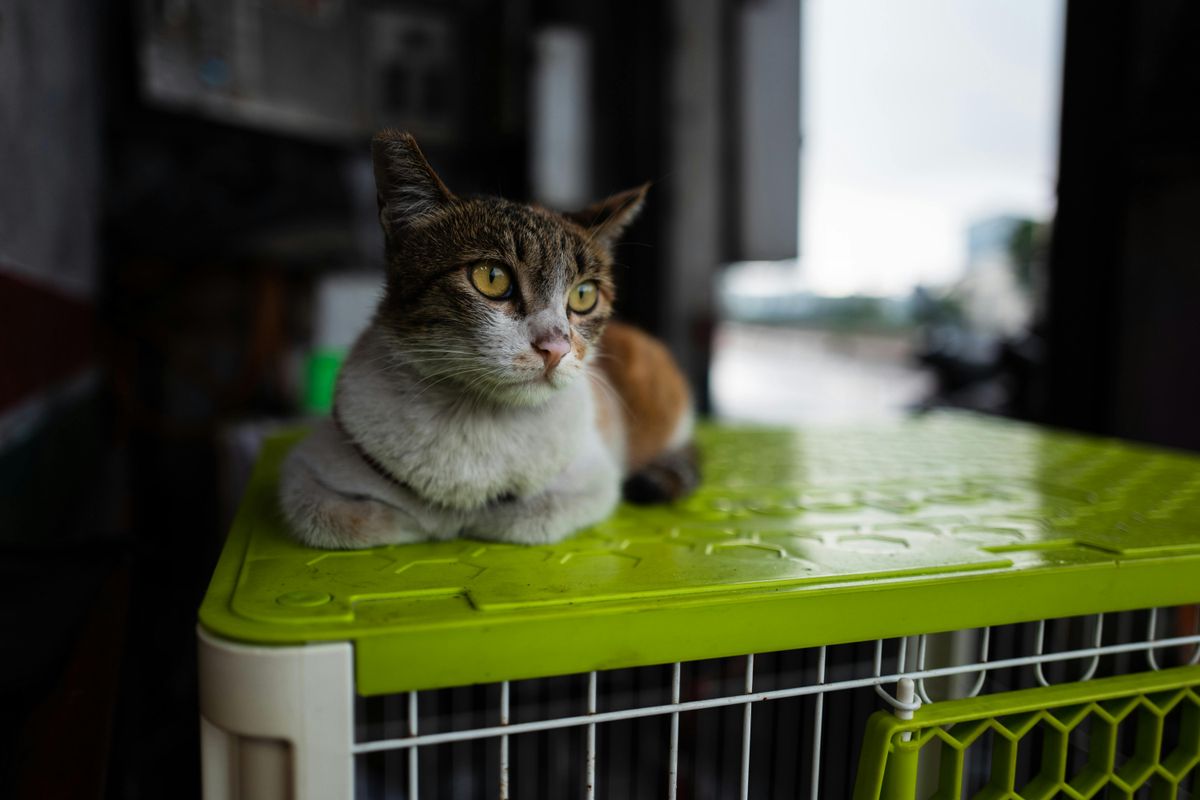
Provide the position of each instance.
(443, 366)
(447, 376)
(403, 357)
(448, 372)
(468, 395)
(433, 380)
(610, 392)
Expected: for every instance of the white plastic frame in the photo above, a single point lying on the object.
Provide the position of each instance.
(276, 722)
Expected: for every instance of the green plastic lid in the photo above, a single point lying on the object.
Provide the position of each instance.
(795, 539)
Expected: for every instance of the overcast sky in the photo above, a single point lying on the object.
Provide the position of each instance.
(919, 117)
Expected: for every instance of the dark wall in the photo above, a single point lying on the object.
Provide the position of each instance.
(630, 51)
(1124, 307)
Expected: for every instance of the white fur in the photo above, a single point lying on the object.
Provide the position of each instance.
(455, 451)
(683, 430)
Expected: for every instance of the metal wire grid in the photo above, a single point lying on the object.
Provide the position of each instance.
(830, 681)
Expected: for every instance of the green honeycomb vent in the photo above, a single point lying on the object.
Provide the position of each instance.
(1133, 735)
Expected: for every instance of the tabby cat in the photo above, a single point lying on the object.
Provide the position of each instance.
(490, 397)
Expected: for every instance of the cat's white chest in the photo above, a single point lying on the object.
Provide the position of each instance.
(467, 459)
(457, 453)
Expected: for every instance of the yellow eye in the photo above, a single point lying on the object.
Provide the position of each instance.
(583, 297)
(492, 280)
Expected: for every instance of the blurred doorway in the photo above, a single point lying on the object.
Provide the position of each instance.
(928, 160)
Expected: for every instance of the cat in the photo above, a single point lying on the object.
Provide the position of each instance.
(490, 397)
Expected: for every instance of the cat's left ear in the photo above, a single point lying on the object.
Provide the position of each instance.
(607, 219)
(408, 188)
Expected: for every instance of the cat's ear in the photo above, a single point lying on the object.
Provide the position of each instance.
(607, 219)
(407, 186)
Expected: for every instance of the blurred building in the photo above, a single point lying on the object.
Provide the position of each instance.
(995, 299)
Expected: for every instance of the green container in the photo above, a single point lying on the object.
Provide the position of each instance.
(795, 539)
(320, 379)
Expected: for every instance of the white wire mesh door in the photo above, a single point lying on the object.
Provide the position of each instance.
(786, 724)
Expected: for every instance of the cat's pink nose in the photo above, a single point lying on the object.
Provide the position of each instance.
(551, 349)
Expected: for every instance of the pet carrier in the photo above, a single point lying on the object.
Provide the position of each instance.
(949, 607)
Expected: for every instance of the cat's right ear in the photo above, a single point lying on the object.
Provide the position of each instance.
(408, 188)
(607, 219)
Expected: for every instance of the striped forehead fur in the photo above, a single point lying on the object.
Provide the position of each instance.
(545, 251)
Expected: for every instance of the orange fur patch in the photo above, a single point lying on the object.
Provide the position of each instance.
(608, 413)
(653, 391)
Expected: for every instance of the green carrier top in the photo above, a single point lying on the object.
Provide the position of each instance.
(796, 538)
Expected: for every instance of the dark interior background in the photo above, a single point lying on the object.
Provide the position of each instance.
(158, 265)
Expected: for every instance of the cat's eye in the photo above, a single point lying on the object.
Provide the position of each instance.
(492, 280)
(583, 297)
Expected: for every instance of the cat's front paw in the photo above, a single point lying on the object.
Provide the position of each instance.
(544, 519)
(519, 531)
(586, 495)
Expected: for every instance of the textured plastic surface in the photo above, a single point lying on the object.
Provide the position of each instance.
(795, 539)
(1156, 715)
